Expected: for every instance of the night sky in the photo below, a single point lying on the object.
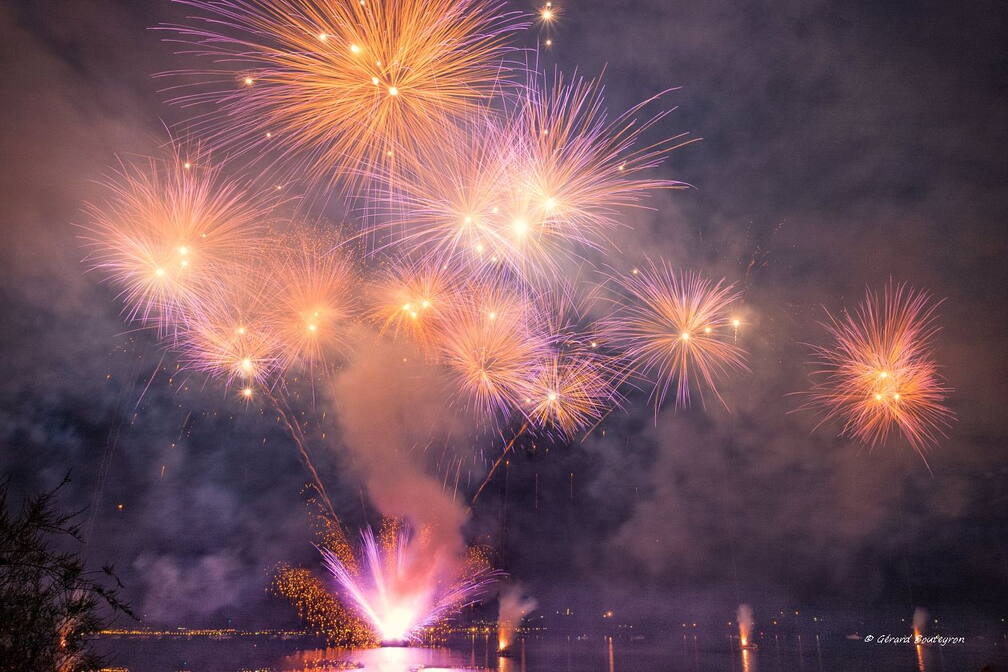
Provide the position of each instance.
(843, 144)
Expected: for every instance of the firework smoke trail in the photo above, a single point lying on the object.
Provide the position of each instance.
(675, 331)
(404, 584)
(920, 621)
(341, 86)
(879, 375)
(513, 606)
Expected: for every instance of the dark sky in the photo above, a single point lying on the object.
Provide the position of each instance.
(843, 144)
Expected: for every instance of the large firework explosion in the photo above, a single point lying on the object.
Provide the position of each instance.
(482, 198)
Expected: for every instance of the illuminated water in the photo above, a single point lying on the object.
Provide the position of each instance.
(594, 654)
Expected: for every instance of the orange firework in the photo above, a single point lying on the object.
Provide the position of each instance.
(170, 234)
(879, 373)
(676, 329)
(569, 393)
(311, 298)
(344, 84)
(230, 336)
(492, 346)
(412, 300)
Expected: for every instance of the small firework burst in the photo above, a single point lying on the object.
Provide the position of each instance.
(569, 393)
(170, 233)
(492, 344)
(310, 298)
(411, 300)
(230, 337)
(879, 374)
(676, 331)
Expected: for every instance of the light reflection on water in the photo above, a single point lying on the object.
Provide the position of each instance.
(556, 654)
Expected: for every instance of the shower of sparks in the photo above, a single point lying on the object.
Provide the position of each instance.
(878, 375)
(341, 86)
(676, 331)
(404, 584)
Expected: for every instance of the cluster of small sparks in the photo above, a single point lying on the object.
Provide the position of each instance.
(483, 197)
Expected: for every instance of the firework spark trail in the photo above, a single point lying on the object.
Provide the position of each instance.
(879, 375)
(340, 86)
(500, 458)
(403, 585)
(675, 329)
(297, 434)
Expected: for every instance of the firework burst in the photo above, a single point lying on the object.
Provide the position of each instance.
(569, 393)
(343, 85)
(492, 345)
(170, 233)
(412, 299)
(231, 337)
(533, 188)
(311, 297)
(675, 331)
(879, 375)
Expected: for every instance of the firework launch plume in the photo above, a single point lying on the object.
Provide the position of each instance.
(403, 583)
(745, 624)
(878, 375)
(513, 605)
(337, 85)
(920, 621)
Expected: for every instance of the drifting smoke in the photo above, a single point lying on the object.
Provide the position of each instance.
(397, 424)
(745, 623)
(514, 606)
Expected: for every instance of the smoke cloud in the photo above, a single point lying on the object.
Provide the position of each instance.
(400, 429)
